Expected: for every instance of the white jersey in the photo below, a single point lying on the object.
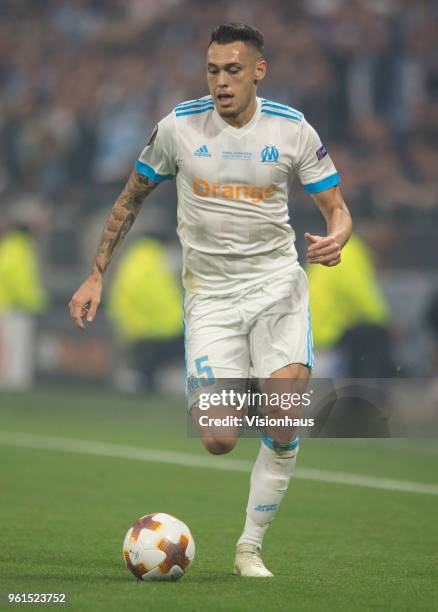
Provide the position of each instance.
(232, 186)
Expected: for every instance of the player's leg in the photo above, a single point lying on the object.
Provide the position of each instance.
(218, 439)
(217, 361)
(287, 382)
(286, 328)
(271, 474)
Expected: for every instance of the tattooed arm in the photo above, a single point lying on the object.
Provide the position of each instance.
(123, 214)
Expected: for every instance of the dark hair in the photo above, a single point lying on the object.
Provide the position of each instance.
(231, 32)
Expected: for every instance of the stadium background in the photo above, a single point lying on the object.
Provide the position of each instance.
(82, 84)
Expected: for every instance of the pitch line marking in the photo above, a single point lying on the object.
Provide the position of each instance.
(121, 451)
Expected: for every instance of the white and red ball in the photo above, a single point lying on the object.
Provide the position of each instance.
(158, 547)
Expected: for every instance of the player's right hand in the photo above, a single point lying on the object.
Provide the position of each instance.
(85, 301)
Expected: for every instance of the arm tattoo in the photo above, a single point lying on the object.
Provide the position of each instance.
(122, 216)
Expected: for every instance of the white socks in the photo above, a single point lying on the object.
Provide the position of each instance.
(270, 477)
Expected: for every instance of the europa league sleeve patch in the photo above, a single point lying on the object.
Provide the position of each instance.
(153, 136)
(322, 152)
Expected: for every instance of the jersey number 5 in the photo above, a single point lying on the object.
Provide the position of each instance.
(205, 373)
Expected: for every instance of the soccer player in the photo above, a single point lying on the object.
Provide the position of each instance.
(234, 156)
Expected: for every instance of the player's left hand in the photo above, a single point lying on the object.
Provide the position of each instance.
(324, 250)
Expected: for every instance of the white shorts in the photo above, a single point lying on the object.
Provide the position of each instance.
(250, 333)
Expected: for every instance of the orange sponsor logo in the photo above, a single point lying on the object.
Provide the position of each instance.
(228, 191)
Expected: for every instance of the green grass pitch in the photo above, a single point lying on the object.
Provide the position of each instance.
(331, 547)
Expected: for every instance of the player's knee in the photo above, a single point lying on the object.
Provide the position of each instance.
(219, 446)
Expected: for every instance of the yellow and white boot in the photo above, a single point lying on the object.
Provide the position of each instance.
(249, 562)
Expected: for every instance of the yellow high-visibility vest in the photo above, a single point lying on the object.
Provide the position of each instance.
(20, 286)
(145, 298)
(346, 295)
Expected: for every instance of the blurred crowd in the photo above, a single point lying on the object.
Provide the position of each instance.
(83, 82)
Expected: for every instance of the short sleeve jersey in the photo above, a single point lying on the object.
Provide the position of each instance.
(232, 186)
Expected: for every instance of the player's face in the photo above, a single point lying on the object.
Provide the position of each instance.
(233, 71)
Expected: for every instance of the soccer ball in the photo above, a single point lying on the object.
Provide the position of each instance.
(158, 547)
